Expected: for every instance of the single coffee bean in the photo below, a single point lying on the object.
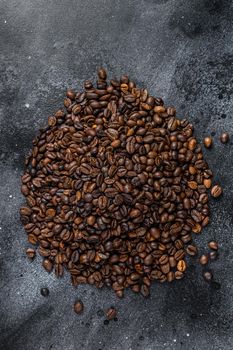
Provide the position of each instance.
(224, 138)
(44, 292)
(111, 313)
(70, 94)
(207, 183)
(216, 191)
(192, 144)
(196, 228)
(51, 212)
(31, 253)
(78, 307)
(181, 265)
(102, 74)
(47, 264)
(213, 255)
(191, 250)
(207, 275)
(203, 259)
(179, 275)
(213, 245)
(207, 142)
(170, 276)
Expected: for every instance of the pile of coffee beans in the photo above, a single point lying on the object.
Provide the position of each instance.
(115, 187)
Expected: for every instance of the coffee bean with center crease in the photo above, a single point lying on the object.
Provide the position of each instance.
(111, 313)
(191, 250)
(115, 186)
(216, 191)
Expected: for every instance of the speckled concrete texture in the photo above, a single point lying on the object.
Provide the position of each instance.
(182, 50)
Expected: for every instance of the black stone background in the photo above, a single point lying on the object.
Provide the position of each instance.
(181, 50)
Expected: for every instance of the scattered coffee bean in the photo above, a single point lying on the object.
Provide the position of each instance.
(44, 292)
(213, 245)
(213, 255)
(78, 307)
(115, 185)
(224, 138)
(207, 142)
(216, 191)
(203, 259)
(207, 275)
(31, 253)
(111, 313)
(102, 74)
(191, 250)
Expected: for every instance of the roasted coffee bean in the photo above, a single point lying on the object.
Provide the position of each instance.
(44, 292)
(207, 275)
(179, 275)
(213, 255)
(224, 138)
(203, 259)
(213, 245)
(145, 291)
(207, 183)
(191, 250)
(181, 265)
(70, 94)
(111, 313)
(207, 142)
(31, 253)
(114, 186)
(216, 191)
(102, 74)
(78, 307)
(170, 276)
(47, 264)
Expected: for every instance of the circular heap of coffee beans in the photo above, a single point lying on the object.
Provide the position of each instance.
(115, 187)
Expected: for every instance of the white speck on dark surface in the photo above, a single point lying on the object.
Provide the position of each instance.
(181, 51)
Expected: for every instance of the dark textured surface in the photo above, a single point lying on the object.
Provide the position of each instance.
(181, 50)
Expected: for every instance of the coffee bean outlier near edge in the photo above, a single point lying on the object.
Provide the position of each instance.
(116, 186)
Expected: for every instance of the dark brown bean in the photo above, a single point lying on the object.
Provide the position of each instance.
(216, 191)
(31, 253)
(111, 313)
(203, 259)
(213, 245)
(207, 275)
(78, 307)
(224, 138)
(207, 142)
(213, 255)
(191, 250)
(102, 74)
(47, 264)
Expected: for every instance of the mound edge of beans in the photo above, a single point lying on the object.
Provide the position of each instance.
(115, 187)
